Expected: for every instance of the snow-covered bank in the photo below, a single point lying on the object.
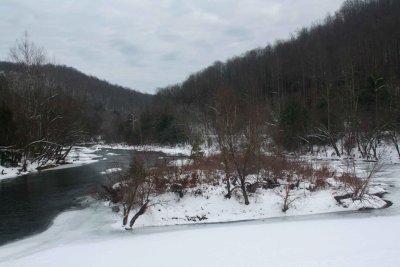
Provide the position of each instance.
(111, 171)
(77, 156)
(84, 155)
(10, 172)
(177, 150)
(74, 240)
(169, 150)
(195, 194)
(209, 205)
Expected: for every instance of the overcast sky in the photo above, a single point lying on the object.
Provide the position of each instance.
(146, 44)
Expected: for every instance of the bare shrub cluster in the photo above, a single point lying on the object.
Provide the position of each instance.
(357, 182)
(138, 188)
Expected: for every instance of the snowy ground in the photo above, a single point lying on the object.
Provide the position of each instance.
(10, 172)
(77, 157)
(266, 205)
(170, 150)
(345, 240)
(181, 232)
(206, 203)
(178, 150)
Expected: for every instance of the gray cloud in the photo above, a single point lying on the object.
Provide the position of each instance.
(153, 43)
(171, 57)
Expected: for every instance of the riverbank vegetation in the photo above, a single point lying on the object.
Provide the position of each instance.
(205, 189)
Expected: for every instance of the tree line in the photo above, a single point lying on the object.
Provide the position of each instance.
(336, 80)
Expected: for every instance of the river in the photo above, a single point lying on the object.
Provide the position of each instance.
(29, 204)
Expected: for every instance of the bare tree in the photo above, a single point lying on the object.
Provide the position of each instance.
(239, 129)
(135, 190)
(222, 124)
(287, 196)
(44, 111)
(367, 142)
(323, 134)
(393, 133)
(28, 53)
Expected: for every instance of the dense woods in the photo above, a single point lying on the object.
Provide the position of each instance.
(45, 109)
(337, 80)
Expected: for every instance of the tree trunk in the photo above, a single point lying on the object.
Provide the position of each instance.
(228, 180)
(395, 143)
(228, 186)
(374, 147)
(336, 149)
(397, 148)
(244, 191)
(359, 147)
(63, 156)
(141, 211)
(126, 215)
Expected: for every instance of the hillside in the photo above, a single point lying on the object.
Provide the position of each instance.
(89, 88)
(334, 79)
(104, 108)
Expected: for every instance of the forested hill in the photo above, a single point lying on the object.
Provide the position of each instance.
(89, 88)
(342, 73)
(71, 101)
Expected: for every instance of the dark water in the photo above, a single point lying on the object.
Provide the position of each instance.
(29, 204)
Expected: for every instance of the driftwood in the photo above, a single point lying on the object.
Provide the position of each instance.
(43, 151)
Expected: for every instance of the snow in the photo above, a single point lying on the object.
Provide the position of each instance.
(82, 155)
(386, 152)
(74, 240)
(78, 156)
(170, 150)
(111, 170)
(179, 162)
(206, 203)
(177, 150)
(10, 172)
(210, 206)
